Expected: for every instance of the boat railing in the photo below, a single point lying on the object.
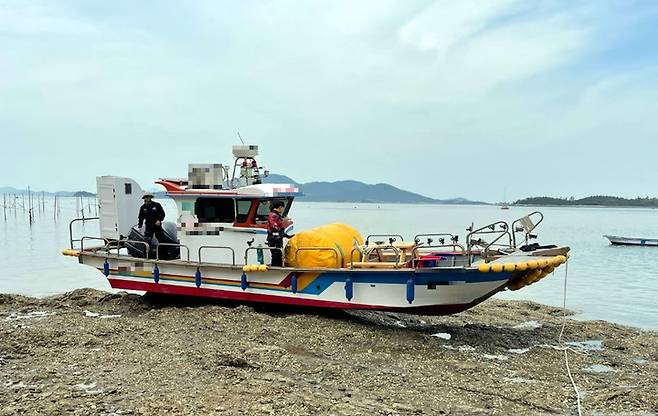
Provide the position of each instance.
(440, 237)
(86, 237)
(391, 237)
(415, 259)
(366, 251)
(271, 249)
(526, 225)
(498, 229)
(331, 249)
(157, 249)
(119, 244)
(83, 220)
(219, 248)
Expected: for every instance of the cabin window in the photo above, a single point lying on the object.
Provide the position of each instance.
(265, 206)
(242, 207)
(215, 209)
(128, 188)
(263, 210)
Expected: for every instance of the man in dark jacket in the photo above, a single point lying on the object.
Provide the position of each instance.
(276, 231)
(151, 214)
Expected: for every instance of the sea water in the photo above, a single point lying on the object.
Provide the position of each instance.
(618, 284)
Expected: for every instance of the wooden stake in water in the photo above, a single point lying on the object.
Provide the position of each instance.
(29, 204)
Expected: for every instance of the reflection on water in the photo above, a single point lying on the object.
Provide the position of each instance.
(605, 282)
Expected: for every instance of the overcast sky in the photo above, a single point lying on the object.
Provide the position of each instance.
(446, 98)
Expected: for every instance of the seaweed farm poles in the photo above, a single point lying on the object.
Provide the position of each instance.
(29, 205)
(55, 207)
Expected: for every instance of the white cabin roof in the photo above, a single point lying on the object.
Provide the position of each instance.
(263, 190)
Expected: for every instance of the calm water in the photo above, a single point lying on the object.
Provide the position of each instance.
(618, 284)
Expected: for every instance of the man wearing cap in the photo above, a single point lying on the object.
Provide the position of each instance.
(151, 214)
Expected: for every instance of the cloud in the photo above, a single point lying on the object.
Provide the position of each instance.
(375, 89)
(32, 19)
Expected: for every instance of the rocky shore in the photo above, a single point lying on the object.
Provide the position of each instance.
(91, 352)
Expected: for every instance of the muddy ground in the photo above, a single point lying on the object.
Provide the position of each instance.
(91, 352)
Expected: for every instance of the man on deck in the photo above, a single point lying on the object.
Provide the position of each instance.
(276, 231)
(151, 214)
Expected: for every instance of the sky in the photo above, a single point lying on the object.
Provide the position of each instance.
(471, 98)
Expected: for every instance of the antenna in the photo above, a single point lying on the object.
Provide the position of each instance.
(240, 138)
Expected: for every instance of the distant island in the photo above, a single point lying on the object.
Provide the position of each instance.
(599, 200)
(355, 191)
(340, 191)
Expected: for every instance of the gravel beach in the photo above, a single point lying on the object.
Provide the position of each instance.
(92, 352)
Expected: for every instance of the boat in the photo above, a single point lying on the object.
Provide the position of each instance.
(631, 241)
(217, 249)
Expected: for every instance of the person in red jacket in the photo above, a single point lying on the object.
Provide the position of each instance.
(276, 231)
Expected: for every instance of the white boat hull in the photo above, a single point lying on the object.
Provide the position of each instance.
(629, 241)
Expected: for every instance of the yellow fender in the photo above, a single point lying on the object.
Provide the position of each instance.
(484, 268)
(518, 282)
(545, 272)
(557, 260)
(533, 276)
(71, 252)
(497, 267)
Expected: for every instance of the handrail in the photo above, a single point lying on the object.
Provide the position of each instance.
(361, 256)
(368, 250)
(332, 249)
(383, 235)
(417, 239)
(526, 232)
(414, 260)
(220, 247)
(246, 252)
(86, 237)
(118, 246)
(453, 245)
(157, 249)
(71, 240)
(489, 229)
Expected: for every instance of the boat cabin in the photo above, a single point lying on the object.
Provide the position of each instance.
(219, 217)
(221, 224)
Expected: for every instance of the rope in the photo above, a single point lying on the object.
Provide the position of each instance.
(560, 341)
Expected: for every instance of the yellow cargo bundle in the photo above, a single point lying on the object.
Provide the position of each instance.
(303, 250)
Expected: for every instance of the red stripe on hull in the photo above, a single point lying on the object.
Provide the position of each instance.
(260, 298)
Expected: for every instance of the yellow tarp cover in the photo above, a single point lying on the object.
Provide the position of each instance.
(342, 237)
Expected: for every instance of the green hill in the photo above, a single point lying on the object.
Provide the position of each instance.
(599, 200)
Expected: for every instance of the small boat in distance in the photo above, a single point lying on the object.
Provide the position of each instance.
(630, 241)
(504, 205)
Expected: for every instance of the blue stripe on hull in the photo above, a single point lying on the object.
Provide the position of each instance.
(322, 282)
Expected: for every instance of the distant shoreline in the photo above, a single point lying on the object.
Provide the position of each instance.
(580, 206)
